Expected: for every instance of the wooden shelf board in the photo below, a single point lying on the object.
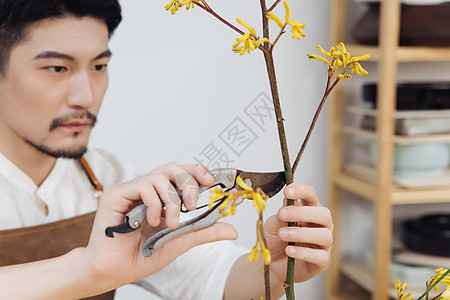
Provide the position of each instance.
(399, 196)
(398, 139)
(359, 273)
(349, 295)
(403, 114)
(403, 54)
(422, 196)
(355, 185)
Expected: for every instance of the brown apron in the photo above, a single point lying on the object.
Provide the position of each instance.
(23, 245)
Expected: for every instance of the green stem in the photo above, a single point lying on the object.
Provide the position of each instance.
(328, 90)
(433, 285)
(289, 284)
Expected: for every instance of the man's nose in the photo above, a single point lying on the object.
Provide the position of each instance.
(81, 91)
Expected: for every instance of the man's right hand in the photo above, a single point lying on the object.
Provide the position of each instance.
(108, 263)
(119, 259)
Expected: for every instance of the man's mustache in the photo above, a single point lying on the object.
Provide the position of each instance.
(75, 116)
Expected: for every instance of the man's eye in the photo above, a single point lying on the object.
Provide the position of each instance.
(57, 69)
(100, 67)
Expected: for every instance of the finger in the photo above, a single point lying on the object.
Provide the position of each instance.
(181, 244)
(318, 215)
(186, 179)
(153, 203)
(318, 257)
(201, 174)
(169, 197)
(306, 192)
(272, 225)
(188, 187)
(321, 237)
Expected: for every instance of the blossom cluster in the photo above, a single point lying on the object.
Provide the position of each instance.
(441, 276)
(339, 57)
(251, 41)
(258, 196)
(228, 206)
(175, 5)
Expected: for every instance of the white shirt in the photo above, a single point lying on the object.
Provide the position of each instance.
(201, 273)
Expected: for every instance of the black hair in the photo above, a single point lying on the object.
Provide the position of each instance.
(17, 15)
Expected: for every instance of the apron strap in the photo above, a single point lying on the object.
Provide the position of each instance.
(87, 169)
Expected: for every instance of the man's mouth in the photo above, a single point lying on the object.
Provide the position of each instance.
(76, 121)
(77, 126)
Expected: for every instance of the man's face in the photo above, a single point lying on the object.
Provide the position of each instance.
(54, 85)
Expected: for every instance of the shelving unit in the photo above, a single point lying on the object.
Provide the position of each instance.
(380, 191)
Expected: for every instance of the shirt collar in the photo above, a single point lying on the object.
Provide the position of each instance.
(20, 179)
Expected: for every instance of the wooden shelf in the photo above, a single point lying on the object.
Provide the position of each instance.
(382, 188)
(399, 196)
(360, 274)
(403, 54)
(355, 185)
(349, 295)
(399, 139)
(405, 114)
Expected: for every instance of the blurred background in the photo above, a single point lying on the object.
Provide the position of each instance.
(177, 90)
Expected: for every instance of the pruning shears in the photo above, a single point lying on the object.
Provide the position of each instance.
(271, 183)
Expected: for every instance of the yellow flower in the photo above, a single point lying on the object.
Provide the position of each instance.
(242, 184)
(188, 3)
(259, 243)
(297, 29)
(248, 40)
(445, 280)
(296, 26)
(243, 23)
(253, 254)
(266, 255)
(318, 57)
(356, 67)
(273, 17)
(175, 5)
(339, 57)
(217, 193)
(288, 10)
(446, 294)
(258, 202)
(228, 205)
(400, 291)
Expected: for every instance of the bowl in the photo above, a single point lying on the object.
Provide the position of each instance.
(418, 160)
(428, 234)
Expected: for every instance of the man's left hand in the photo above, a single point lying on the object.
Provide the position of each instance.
(313, 238)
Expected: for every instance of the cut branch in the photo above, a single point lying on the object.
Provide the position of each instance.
(212, 12)
(274, 5)
(328, 90)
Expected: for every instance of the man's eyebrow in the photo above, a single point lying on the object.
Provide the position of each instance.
(106, 53)
(59, 55)
(53, 54)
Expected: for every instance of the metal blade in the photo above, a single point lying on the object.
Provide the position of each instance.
(269, 183)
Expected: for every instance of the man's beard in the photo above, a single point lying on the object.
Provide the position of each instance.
(60, 153)
(75, 153)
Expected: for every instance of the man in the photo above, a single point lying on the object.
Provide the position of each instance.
(53, 76)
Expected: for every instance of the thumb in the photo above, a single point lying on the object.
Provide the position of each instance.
(272, 225)
(181, 244)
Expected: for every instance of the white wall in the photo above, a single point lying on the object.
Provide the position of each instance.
(176, 86)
